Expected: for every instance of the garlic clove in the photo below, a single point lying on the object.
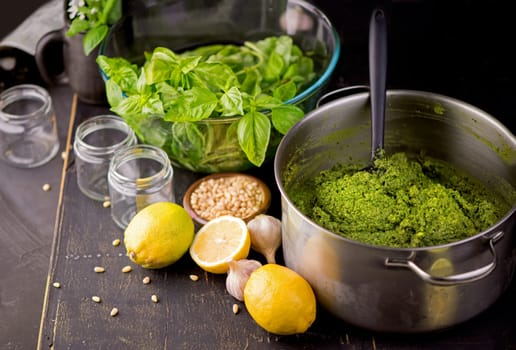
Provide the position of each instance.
(238, 274)
(265, 231)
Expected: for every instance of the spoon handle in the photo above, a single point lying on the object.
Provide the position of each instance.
(377, 77)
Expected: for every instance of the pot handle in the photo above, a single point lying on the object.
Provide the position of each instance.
(341, 92)
(461, 278)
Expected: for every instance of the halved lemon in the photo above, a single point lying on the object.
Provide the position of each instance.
(219, 241)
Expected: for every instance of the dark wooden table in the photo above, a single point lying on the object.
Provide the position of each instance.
(458, 49)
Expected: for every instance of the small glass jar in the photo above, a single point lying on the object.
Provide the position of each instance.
(96, 140)
(138, 175)
(28, 131)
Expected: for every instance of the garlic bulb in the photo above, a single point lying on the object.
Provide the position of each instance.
(238, 274)
(265, 233)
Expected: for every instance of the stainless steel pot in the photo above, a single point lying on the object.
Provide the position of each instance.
(400, 289)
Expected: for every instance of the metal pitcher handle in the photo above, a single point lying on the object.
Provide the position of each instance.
(461, 278)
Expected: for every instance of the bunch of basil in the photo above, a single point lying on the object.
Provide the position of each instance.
(252, 80)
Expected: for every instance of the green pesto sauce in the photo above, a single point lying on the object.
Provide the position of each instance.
(403, 202)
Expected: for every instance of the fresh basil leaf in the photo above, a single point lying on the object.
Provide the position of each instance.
(253, 132)
(273, 68)
(167, 94)
(119, 70)
(188, 64)
(214, 76)
(94, 37)
(113, 11)
(251, 83)
(154, 130)
(285, 91)
(285, 116)
(266, 101)
(114, 93)
(283, 48)
(231, 102)
(128, 106)
(160, 65)
(153, 105)
(187, 142)
(192, 105)
(77, 26)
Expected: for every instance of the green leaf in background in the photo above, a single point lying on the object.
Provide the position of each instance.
(94, 37)
(285, 91)
(301, 71)
(285, 116)
(251, 83)
(274, 68)
(77, 26)
(253, 132)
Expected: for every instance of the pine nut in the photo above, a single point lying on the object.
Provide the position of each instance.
(146, 280)
(154, 298)
(99, 269)
(194, 277)
(95, 299)
(127, 269)
(116, 242)
(235, 309)
(46, 187)
(114, 312)
(56, 285)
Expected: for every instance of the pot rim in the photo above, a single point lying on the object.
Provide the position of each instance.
(360, 95)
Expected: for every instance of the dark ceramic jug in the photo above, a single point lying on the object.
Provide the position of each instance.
(61, 60)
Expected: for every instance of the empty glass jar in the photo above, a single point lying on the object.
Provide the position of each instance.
(96, 141)
(28, 131)
(138, 175)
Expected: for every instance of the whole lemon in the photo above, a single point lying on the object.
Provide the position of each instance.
(280, 300)
(159, 235)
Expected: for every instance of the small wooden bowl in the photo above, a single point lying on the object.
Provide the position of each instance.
(262, 207)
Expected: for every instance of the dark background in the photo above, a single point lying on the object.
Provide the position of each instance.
(15, 13)
(462, 48)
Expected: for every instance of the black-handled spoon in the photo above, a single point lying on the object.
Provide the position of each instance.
(377, 80)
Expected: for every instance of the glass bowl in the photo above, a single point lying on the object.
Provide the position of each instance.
(211, 145)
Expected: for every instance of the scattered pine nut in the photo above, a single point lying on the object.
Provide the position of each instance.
(95, 299)
(56, 285)
(235, 309)
(99, 269)
(46, 187)
(116, 242)
(154, 298)
(194, 277)
(126, 269)
(114, 312)
(106, 204)
(64, 155)
(146, 280)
